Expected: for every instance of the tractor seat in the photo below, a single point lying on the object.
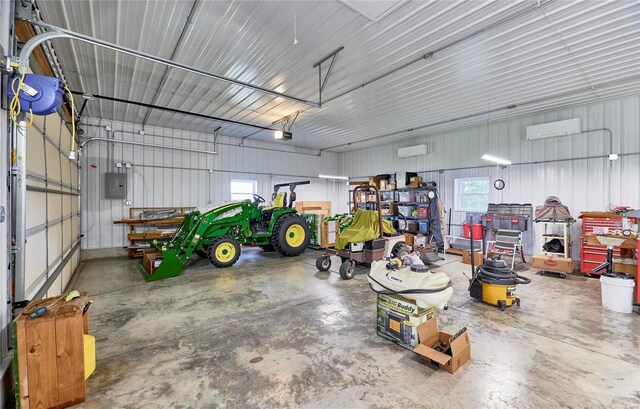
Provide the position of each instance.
(278, 202)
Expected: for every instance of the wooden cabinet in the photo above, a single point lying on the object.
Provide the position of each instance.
(49, 355)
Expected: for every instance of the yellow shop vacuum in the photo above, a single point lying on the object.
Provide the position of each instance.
(494, 283)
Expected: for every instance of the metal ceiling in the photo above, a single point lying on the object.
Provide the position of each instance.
(488, 55)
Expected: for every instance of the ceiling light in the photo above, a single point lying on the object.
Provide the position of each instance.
(613, 156)
(72, 155)
(278, 134)
(333, 177)
(496, 159)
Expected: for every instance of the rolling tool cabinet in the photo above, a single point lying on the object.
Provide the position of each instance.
(592, 255)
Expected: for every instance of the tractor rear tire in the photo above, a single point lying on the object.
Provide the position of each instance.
(223, 252)
(290, 235)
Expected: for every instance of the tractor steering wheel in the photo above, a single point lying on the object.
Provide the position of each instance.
(257, 199)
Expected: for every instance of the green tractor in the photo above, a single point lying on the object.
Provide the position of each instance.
(218, 233)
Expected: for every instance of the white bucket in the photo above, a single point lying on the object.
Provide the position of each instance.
(617, 294)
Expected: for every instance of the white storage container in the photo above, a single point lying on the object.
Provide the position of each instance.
(617, 293)
(406, 197)
(406, 211)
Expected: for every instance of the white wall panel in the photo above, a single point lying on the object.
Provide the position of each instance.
(36, 263)
(51, 169)
(53, 162)
(581, 184)
(36, 209)
(35, 148)
(163, 177)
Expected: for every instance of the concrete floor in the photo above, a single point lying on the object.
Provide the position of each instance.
(275, 332)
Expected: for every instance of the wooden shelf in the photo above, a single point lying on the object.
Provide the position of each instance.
(134, 236)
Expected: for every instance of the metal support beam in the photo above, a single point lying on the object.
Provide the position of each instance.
(53, 191)
(176, 111)
(58, 32)
(19, 175)
(173, 148)
(174, 53)
(322, 83)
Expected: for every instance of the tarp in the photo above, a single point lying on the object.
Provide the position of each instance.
(364, 227)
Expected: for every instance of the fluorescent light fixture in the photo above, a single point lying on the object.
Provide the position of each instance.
(333, 177)
(496, 159)
(278, 134)
(72, 155)
(613, 156)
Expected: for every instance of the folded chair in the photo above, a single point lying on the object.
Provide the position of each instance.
(507, 243)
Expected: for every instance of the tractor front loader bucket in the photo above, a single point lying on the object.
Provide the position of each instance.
(170, 266)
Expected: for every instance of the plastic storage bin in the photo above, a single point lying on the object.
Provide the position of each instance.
(406, 211)
(617, 292)
(477, 231)
(424, 227)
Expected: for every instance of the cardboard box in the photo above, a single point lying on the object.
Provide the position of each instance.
(415, 182)
(466, 257)
(391, 186)
(631, 269)
(374, 181)
(383, 184)
(548, 263)
(420, 240)
(408, 239)
(399, 318)
(387, 209)
(457, 352)
(151, 259)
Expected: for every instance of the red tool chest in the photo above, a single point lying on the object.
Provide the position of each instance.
(591, 255)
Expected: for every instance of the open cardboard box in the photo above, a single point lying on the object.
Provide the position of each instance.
(430, 337)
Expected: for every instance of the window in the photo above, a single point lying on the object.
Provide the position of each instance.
(472, 194)
(243, 189)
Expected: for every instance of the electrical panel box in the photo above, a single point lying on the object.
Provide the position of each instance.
(115, 186)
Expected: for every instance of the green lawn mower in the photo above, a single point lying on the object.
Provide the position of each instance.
(217, 233)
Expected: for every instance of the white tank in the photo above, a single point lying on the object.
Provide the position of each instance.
(404, 279)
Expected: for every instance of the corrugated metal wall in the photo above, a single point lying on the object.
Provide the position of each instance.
(164, 177)
(582, 184)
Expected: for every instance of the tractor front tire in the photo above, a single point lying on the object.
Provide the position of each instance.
(290, 235)
(223, 252)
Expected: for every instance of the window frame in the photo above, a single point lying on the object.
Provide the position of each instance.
(457, 195)
(254, 189)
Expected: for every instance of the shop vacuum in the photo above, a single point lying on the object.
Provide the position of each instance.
(493, 282)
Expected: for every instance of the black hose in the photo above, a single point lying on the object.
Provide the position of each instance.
(483, 272)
